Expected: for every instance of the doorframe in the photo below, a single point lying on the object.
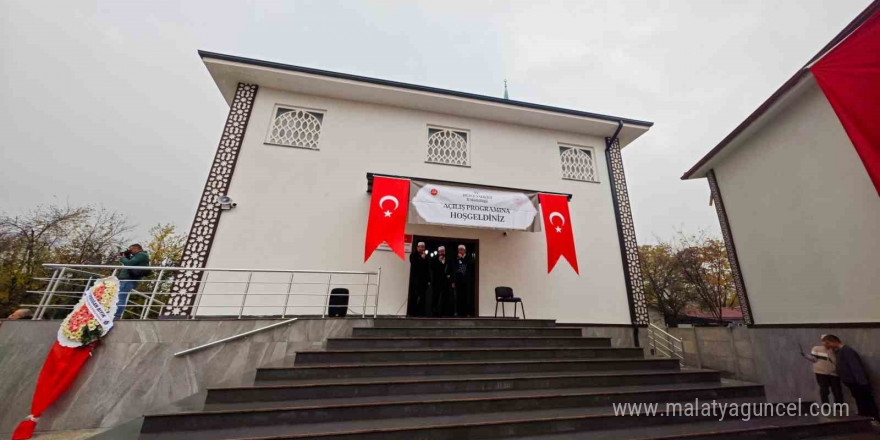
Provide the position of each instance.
(417, 238)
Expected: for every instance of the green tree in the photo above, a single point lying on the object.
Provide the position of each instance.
(165, 245)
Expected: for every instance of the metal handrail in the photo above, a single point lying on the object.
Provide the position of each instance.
(68, 282)
(234, 337)
(205, 269)
(668, 346)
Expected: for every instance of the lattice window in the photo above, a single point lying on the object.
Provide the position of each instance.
(449, 147)
(577, 163)
(294, 127)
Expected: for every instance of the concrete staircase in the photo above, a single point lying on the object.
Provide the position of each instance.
(478, 379)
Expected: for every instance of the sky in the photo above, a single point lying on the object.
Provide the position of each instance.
(108, 103)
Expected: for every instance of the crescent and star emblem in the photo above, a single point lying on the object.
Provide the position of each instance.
(556, 214)
(384, 199)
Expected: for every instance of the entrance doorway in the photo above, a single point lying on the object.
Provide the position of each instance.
(443, 299)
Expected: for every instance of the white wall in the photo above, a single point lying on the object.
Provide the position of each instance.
(805, 218)
(303, 209)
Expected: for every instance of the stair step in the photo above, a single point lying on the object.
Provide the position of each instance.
(522, 423)
(339, 357)
(265, 375)
(462, 322)
(464, 331)
(431, 406)
(355, 387)
(464, 342)
(775, 428)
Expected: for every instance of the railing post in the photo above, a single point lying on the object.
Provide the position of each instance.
(200, 291)
(378, 284)
(52, 292)
(366, 297)
(327, 298)
(247, 288)
(39, 312)
(287, 298)
(145, 313)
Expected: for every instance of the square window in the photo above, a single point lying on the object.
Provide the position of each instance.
(448, 146)
(294, 127)
(577, 163)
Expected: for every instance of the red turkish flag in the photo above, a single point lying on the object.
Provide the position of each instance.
(387, 220)
(557, 228)
(850, 78)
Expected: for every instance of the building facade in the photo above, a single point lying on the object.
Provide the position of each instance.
(798, 211)
(800, 217)
(299, 145)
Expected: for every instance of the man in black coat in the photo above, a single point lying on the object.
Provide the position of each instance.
(462, 273)
(440, 283)
(419, 277)
(852, 373)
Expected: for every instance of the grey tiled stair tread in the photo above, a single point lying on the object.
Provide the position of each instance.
(447, 338)
(487, 362)
(703, 428)
(197, 405)
(466, 349)
(460, 397)
(481, 318)
(403, 423)
(474, 395)
(465, 377)
(426, 327)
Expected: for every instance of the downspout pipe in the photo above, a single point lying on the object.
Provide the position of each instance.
(608, 143)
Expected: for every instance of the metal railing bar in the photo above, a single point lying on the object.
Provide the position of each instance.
(77, 294)
(70, 306)
(234, 337)
(211, 269)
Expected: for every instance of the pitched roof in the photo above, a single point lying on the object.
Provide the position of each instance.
(420, 88)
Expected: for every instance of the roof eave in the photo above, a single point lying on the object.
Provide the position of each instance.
(635, 127)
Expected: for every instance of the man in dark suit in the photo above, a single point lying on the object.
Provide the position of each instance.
(419, 277)
(462, 284)
(852, 373)
(440, 284)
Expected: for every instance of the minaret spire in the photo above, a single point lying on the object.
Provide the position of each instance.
(505, 89)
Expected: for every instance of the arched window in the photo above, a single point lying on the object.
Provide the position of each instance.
(296, 128)
(577, 163)
(449, 147)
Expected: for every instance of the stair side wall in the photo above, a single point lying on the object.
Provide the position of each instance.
(134, 370)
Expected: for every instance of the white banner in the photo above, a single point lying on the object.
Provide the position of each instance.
(473, 207)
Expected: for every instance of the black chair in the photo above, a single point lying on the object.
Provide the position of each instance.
(505, 295)
(338, 304)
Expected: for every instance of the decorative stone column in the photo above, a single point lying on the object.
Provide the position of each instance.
(726, 232)
(626, 233)
(201, 236)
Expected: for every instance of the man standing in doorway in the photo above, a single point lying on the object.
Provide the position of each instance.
(461, 284)
(419, 277)
(852, 373)
(440, 305)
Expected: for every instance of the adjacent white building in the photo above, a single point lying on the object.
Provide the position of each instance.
(799, 213)
(299, 145)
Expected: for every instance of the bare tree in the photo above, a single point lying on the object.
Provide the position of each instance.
(53, 233)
